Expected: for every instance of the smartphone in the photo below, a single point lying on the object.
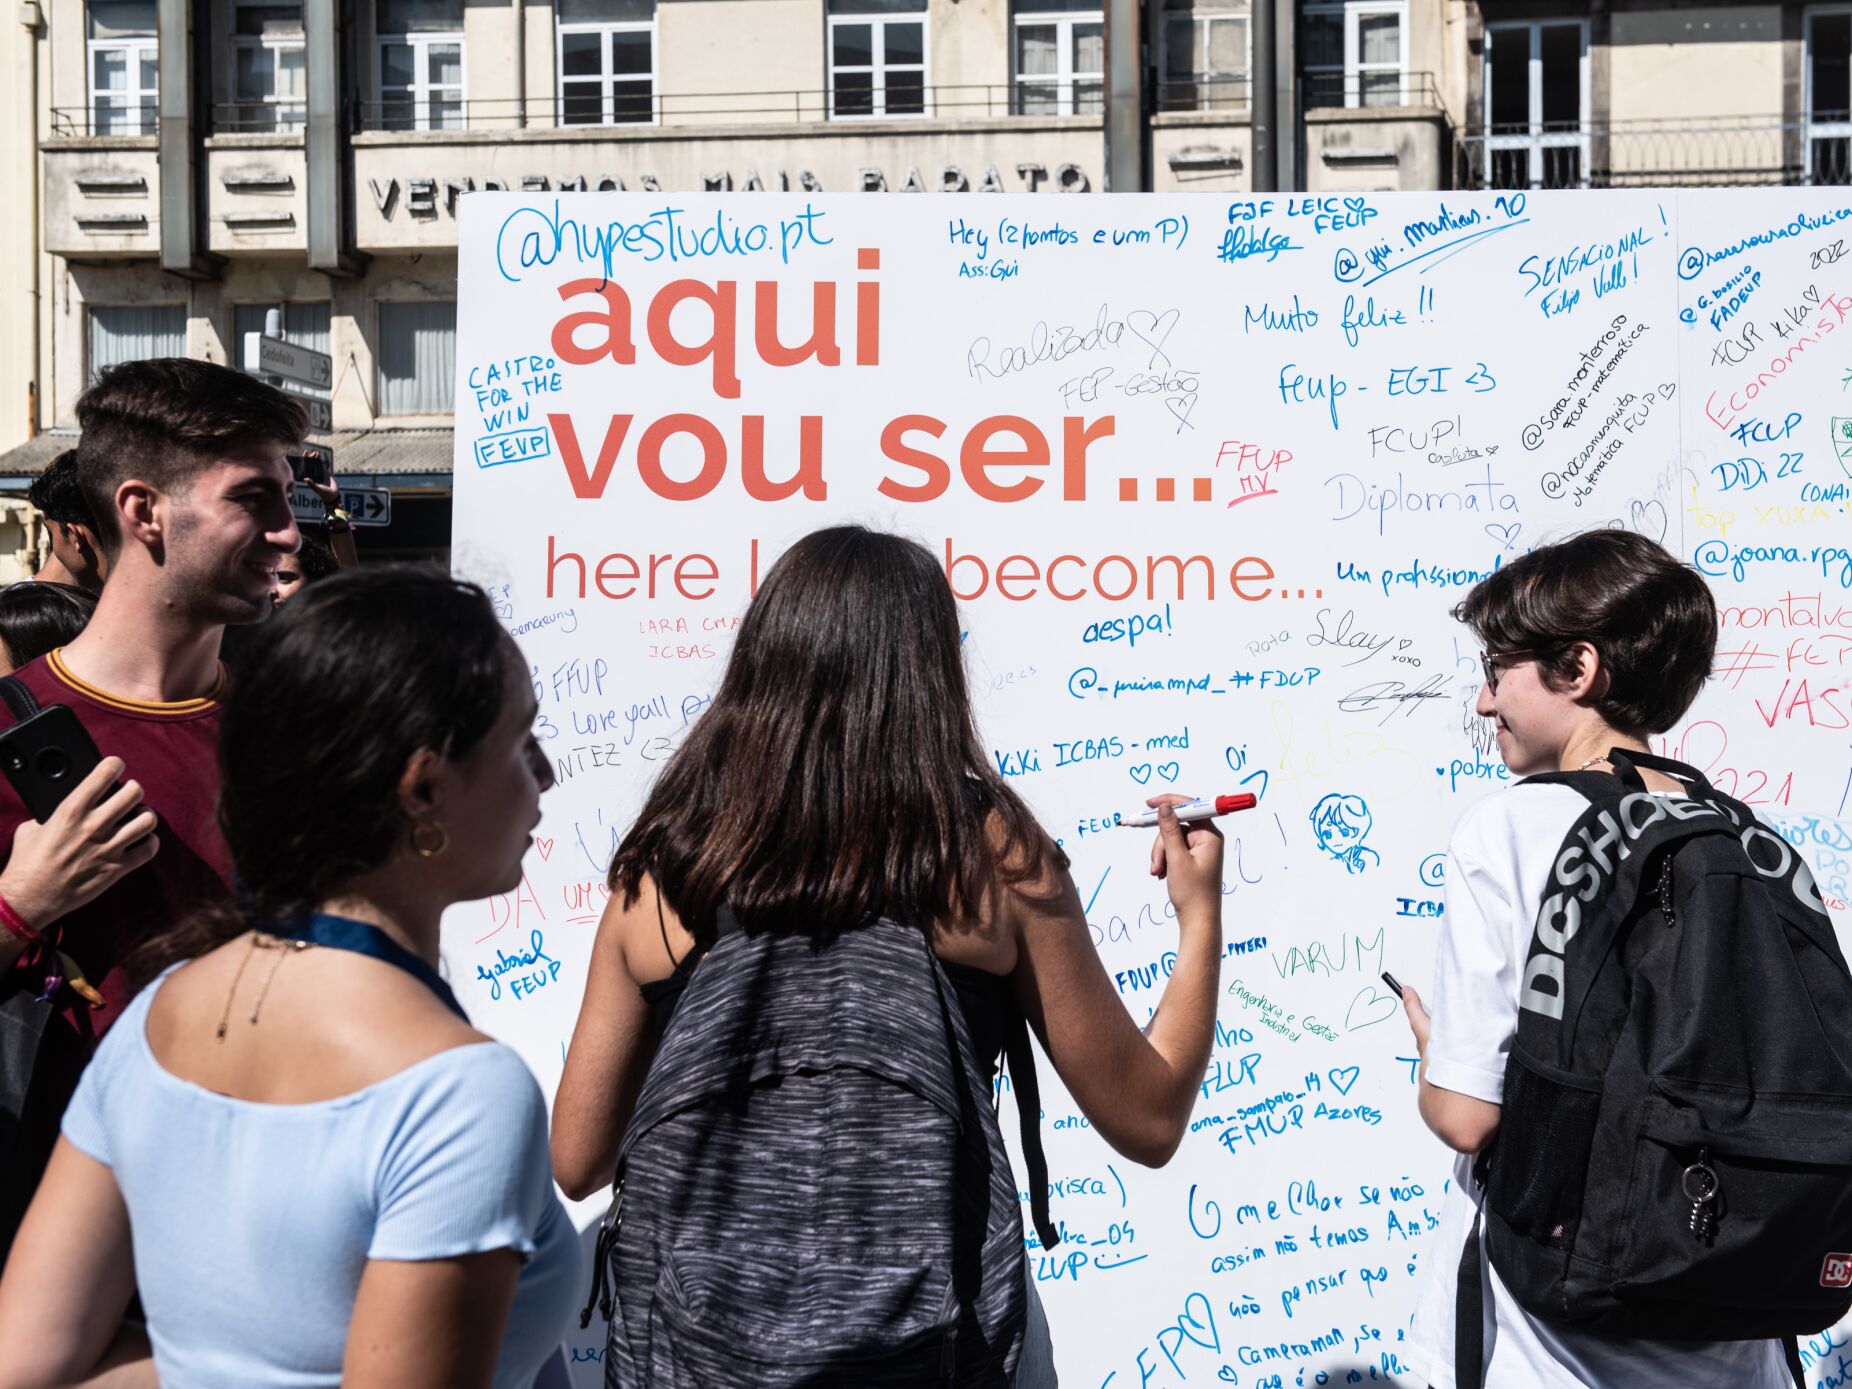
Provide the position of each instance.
(45, 757)
(312, 463)
(1392, 982)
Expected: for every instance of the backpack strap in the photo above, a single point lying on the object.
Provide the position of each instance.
(19, 700)
(1792, 1350)
(1020, 1060)
(1469, 1315)
(1469, 1295)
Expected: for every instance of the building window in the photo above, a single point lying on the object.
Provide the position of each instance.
(1355, 52)
(1827, 36)
(1205, 55)
(607, 61)
(1536, 105)
(269, 79)
(877, 57)
(130, 332)
(421, 64)
(1060, 57)
(417, 357)
(124, 72)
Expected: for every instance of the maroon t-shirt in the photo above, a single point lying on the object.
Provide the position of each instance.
(173, 751)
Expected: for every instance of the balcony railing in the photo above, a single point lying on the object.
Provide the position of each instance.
(1203, 91)
(1656, 153)
(898, 103)
(1367, 90)
(259, 118)
(83, 121)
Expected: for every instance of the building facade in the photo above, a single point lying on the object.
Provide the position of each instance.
(182, 167)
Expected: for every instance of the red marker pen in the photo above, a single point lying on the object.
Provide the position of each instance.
(1192, 810)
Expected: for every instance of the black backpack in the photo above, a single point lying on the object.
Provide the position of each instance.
(1674, 1153)
(813, 1188)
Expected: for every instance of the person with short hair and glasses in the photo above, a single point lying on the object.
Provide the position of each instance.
(1591, 646)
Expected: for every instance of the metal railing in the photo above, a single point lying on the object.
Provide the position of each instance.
(85, 121)
(898, 102)
(1203, 91)
(259, 118)
(1370, 90)
(1725, 152)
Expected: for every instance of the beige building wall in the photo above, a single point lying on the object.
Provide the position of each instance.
(1707, 63)
(20, 258)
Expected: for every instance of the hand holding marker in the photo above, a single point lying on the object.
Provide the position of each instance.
(1192, 810)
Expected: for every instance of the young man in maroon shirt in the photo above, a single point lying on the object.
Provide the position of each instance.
(185, 466)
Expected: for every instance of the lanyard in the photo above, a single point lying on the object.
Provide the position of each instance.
(344, 933)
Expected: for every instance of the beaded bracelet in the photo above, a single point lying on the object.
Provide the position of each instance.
(16, 923)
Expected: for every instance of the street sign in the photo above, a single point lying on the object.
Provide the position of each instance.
(369, 506)
(321, 415)
(268, 356)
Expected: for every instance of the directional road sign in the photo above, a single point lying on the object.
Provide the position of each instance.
(270, 356)
(369, 506)
(321, 415)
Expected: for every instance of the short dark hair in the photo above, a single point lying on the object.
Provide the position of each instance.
(57, 494)
(1651, 619)
(163, 419)
(38, 617)
(315, 560)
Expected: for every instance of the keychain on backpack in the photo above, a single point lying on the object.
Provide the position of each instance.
(1701, 1189)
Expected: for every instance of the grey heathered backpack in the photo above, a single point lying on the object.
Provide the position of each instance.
(813, 1189)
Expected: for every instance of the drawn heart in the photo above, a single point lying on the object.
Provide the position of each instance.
(545, 846)
(1156, 330)
(1169, 770)
(1505, 535)
(1180, 406)
(1343, 1077)
(1373, 1006)
(1667, 391)
(1141, 773)
(1490, 449)
(1404, 643)
(1648, 519)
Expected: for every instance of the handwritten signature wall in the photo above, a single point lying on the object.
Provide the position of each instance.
(1207, 475)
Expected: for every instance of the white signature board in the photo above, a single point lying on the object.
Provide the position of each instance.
(1207, 474)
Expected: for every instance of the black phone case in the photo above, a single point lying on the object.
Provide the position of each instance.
(45, 757)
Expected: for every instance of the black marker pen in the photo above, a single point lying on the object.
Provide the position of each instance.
(1390, 980)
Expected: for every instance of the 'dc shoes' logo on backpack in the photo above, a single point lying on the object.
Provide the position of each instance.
(1837, 1271)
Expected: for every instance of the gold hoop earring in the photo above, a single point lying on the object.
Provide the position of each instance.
(426, 850)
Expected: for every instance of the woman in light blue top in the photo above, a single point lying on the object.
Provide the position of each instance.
(292, 1144)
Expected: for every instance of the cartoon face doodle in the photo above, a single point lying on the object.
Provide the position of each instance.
(1340, 824)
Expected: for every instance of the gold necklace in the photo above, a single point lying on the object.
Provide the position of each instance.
(259, 941)
(1591, 762)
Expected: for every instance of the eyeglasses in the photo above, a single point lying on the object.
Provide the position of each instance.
(1490, 663)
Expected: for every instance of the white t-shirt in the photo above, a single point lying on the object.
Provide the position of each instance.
(1497, 865)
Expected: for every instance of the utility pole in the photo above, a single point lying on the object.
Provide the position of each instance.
(1125, 99)
(1263, 100)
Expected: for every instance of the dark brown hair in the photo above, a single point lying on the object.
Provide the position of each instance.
(1651, 619)
(37, 617)
(59, 496)
(837, 776)
(334, 695)
(165, 418)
